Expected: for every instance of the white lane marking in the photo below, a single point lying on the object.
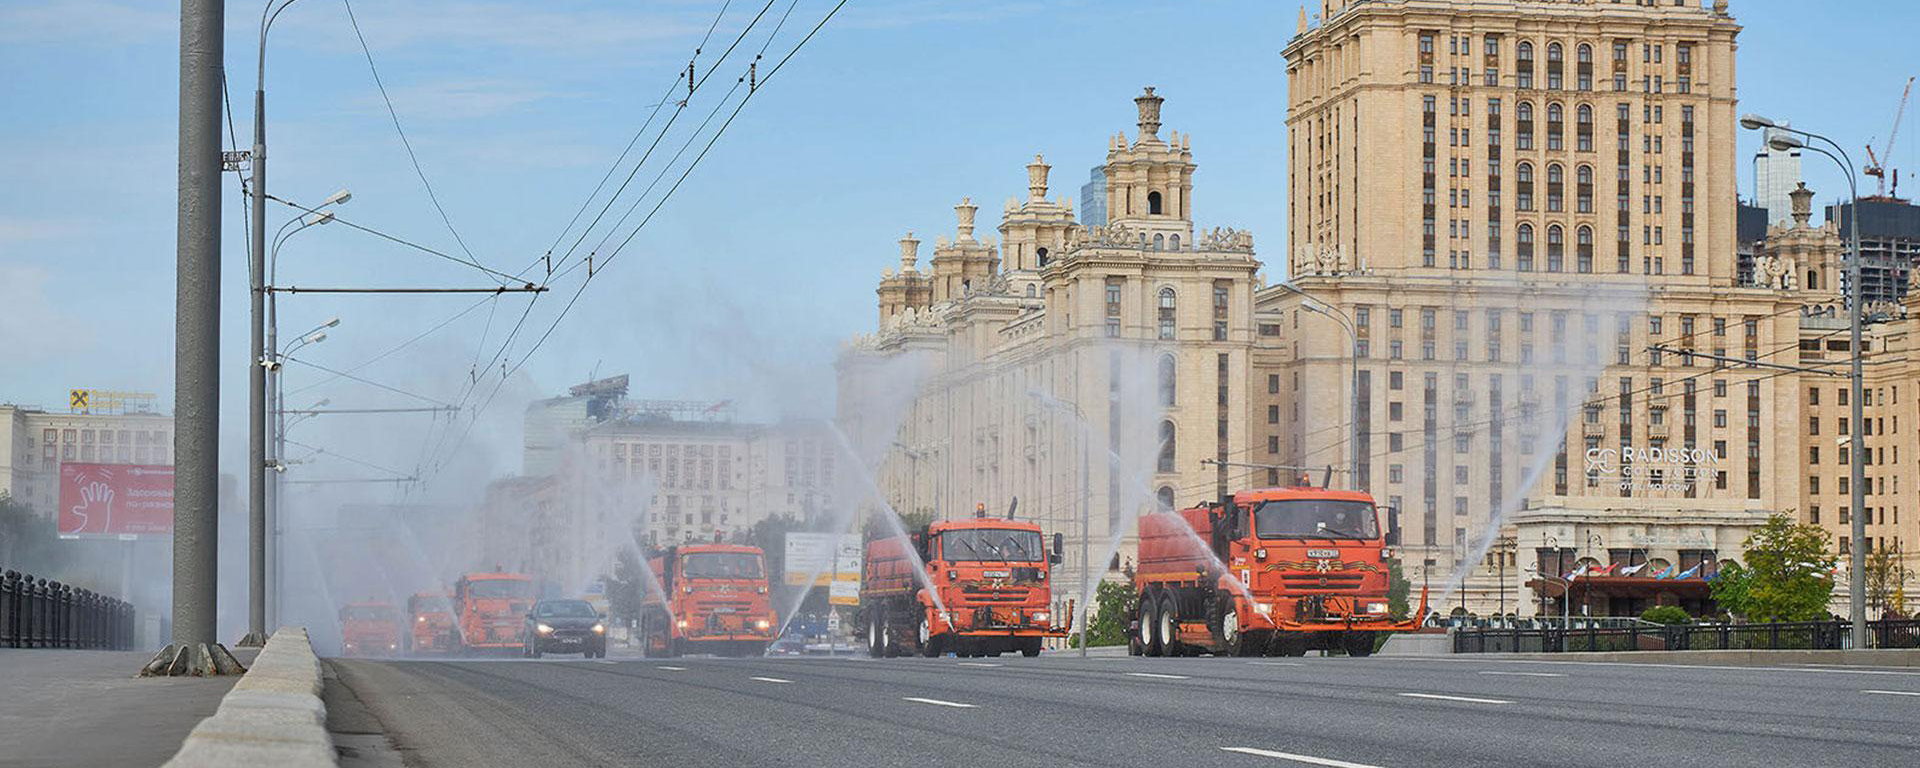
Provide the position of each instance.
(1895, 693)
(1277, 664)
(1308, 759)
(769, 679)
(605, 661)
(975, 664)
(672, 669)
(1835, 669)
(938, 703)
(1443, 697)
(1522, 674)
(1155, 675)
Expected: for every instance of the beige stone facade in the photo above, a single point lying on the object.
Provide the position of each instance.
(1119, 352)
(1512, 202)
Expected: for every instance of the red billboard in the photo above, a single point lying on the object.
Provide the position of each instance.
(115, 500)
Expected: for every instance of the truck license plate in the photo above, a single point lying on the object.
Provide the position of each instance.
(995, 574)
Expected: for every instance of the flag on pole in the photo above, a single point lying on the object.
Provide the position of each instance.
(1577, 572)
(1606, 570)
(1690, 572)
(1633, 569)
(1663, 573)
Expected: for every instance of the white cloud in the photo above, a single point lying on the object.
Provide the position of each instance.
(52, 21)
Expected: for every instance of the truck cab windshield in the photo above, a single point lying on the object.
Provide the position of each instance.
(368, 613)
(722, 565)
(500, 589)
(1315, 519)
(975, 544)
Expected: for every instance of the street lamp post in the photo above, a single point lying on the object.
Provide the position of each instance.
(1856, 299)
(1340, 318)
(258, 361)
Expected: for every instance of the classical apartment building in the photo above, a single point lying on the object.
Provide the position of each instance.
(1525, 211)
(1118, 352)
(35, 441)
(600, 466)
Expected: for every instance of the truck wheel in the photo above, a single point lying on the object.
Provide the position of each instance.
(1169, 626)
(1149, 626)
(1289, 644)
(931, 645)
(873, 632)
(1030, 647)
(1358, 644)
(884, 623)
(1230, 632)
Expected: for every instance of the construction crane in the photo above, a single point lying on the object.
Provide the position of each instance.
(1873, 167)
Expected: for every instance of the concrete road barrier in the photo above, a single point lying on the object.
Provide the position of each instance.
(273, 716)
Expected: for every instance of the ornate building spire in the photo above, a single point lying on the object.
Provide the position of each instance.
(1037, 178)
(1149, 105)
(909, 254)
(1802, 205)
(964, 212)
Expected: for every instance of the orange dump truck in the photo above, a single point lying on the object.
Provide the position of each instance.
(1277, 572)
(431, 628)
(369, 629)
(716, 602)
(992, 577)
(490, 610)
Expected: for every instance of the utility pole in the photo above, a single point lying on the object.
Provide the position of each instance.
(196, 434)
(257, 369)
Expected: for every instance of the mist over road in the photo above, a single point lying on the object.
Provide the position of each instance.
(1123, 711)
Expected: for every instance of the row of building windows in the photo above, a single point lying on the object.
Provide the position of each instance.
(53, 436)
(1525, 64)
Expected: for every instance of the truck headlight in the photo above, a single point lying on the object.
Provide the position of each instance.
(681, 623)
(599, 629)
(762, 625)
(1041, 616)
(1376, 607)
(391, 647)
(543, 629)
(1263, 608)
(420, 619)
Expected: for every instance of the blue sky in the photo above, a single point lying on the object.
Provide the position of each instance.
(761, 263)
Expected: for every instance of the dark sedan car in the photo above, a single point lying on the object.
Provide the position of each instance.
(564, 626)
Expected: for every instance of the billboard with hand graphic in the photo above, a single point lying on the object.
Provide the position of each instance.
(115, 500)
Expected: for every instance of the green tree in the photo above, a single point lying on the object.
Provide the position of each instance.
(625, 586)
(1787, 574)
(1113, 610)
(1399, 591)
(1666, 614)
(29, 542)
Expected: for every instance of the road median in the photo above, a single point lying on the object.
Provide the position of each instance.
(273, 716)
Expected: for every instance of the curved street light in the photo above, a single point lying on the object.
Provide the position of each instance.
(1783, 140)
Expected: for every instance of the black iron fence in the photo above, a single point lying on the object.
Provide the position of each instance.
(37, 613)
(1805, 635)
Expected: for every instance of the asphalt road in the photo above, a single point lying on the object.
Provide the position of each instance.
(1121, 711)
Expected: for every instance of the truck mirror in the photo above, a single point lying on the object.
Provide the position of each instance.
(1059, 543)
(1393, 527)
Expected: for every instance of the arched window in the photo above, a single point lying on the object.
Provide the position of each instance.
(1166, 381)
(1166, 446)
(1159, 242)
(1555, 66)
(1523, 257)
(1523, 74)
(1583, 128)
(1583, 249)
(1523, 193)
(1166, 313)
(1556, 249)
(1173, 242)
(1042, 253)
(1556, 187)
(1032, 290)
(1556, 127)
(1583, 76)
(1585, 54)
(1813, 280)
(1165, 497)
(1523, 125)
(1153, 202)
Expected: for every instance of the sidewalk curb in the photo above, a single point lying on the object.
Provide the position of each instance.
(273, 716)
(1877, 657)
